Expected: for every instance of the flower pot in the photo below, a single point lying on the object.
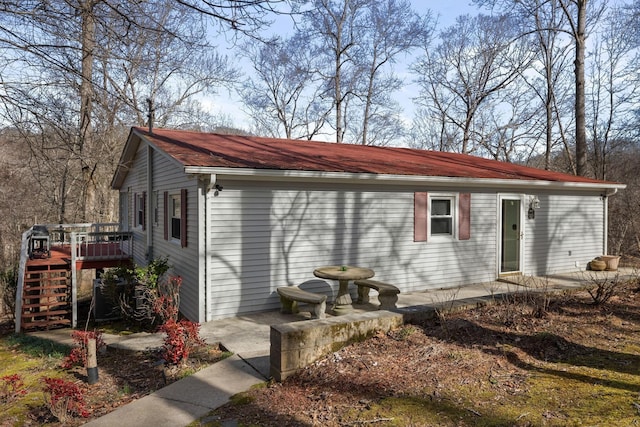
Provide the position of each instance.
(611, 261)
(597, 265)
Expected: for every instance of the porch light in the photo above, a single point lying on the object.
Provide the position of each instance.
(534, 203)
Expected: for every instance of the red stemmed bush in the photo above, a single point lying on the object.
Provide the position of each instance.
(181, 337)
(64, 398)
(11, 388)
(78, 355)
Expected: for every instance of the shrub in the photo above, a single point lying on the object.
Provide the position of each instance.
(602, 289)
(11, 388)
(78, 355)
(181, 337)
(144, 294)
(166, 303)
(64, 399)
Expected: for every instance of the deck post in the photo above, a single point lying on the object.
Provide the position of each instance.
(74, 275)
(24, 249)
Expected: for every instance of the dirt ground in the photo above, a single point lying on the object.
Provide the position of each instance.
(529, 361)
(560, 360)
(123, 376)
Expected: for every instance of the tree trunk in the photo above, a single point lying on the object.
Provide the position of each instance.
(86, 99)
(581, 135)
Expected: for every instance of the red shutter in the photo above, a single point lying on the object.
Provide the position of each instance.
(183, 217)
(166, 215)
(420, 201)
(144, 210)
(135, 209)
(464, 216)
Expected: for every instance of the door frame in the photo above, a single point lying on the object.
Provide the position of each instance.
(521, 198)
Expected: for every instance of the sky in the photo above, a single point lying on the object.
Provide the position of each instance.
(228, 105)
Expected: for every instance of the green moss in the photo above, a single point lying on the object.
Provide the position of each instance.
(37, 347)
(428, 410)
(553, 395)
(345, 329)
(32, 359)
(241, 399)
(580, 395)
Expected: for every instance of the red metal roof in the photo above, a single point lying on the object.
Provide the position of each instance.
(235, 151)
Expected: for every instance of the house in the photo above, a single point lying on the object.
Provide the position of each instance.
(239, 216)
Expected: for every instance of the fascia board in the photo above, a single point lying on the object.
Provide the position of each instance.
(126, 159)
(128, 155)
(360, 178)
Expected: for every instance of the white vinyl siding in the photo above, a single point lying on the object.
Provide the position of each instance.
(262, 238)
(567, 229)
(168, 176)
(135, 183)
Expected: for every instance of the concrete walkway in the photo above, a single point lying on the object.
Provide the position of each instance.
(248, 337)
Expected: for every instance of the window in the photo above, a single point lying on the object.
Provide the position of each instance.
(441, 216)
(140, 210)
(175, 213)
(175, 216)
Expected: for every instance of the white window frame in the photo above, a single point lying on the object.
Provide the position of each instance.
(175, 200)
(453, 214)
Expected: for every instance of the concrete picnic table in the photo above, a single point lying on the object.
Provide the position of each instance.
(343, 274)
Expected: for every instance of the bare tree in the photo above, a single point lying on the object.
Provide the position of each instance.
(613, 89)
(392, 29)
(579, 17)
(333, 26)
(356, 44)
(85, 70)
(546, 17)
(282, 96)
(476, 58)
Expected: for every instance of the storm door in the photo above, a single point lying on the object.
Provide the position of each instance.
(511, 235)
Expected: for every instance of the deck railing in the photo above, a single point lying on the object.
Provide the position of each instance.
(101, 245)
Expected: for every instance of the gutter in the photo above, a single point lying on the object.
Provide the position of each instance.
(245, 174)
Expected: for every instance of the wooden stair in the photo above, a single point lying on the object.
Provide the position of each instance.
(46, 297)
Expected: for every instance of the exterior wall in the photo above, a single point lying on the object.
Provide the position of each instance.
(169, 177)
(567, 233)
(265, 235)
(135, 183)
(166, 176)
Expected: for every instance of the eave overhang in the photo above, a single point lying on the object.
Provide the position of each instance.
(245, 174)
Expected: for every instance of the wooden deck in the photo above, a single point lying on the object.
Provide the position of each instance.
(88, 256)
(51, 256)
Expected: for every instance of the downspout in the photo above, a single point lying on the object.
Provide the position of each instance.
(208, 182)
(150, 203)
(605, 207)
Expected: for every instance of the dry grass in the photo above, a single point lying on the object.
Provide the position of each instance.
(555, 362)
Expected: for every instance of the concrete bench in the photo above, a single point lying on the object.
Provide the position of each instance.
(290, 296)
(387, 293)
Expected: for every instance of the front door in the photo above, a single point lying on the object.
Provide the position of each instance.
(511, 235)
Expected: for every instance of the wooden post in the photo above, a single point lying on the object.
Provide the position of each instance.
(92, 361)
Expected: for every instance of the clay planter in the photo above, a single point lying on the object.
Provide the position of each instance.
(611, 261)
(597, 265)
